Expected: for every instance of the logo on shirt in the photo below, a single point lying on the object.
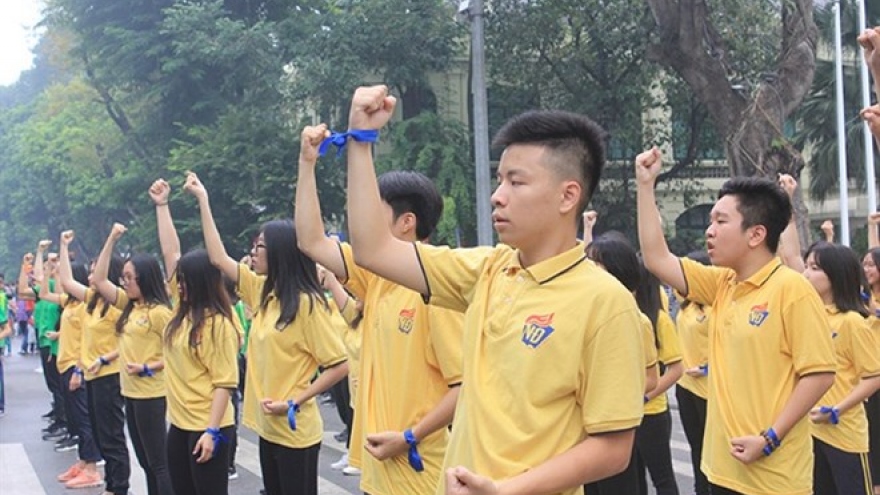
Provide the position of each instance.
(405, 320)
(758, 315)
(701, 318)
(537, 329)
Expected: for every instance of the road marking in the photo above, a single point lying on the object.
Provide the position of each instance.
(17, 472)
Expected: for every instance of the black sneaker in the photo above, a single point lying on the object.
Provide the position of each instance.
(233, 474)
(54, 432)
(66, 443)
(49, 416)
(342, 436)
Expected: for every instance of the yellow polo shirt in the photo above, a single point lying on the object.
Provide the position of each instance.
(649, 348)
(668, 352)
(141, 342)
(193, 372)
(693, 334)
(352, 339)
(764, 333)
(410, 357)
(70, 336)
(282, 362)
(552, 353)
(858, 357)
(99, 336)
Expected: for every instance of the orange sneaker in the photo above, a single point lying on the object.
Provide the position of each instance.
(86, 479)
(71, 473)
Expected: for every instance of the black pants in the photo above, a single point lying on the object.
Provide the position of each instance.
(836, 472)
(625, 482)
(146, 426)
(23, 331)
(342, 398)
(76, 405)
(692, 410)
(237, 396)
(108, 423)
(288, 471)
(53, 383)
(872, 410)
(719, 490)
(652, 447)
(190, 477)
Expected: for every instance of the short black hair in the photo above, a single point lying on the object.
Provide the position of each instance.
(575, 144)
(760, 202)
(407, 191)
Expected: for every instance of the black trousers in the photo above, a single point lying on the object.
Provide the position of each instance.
(288, 471)
(53, 383)
(719, 490)
(653, 453)
(237, 397)
(872, 410)
(191, 478)
(108, 423)
(342, 399)
(836, 472)
(76, 405)
(146, 426)
(692, 410)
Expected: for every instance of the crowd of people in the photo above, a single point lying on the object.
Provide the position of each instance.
(537, 366)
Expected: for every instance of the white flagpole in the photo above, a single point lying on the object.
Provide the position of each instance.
(866, 101)
(841, 129)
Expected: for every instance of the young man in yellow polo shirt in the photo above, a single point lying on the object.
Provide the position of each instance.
(770, 352)
(553, 375)
(410, 352)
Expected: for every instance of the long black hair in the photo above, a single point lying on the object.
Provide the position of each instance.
(202, 295)
(114, 274)
(289, 272)
(648, 297)
(618, 257)
(151, 283)
(841, 265)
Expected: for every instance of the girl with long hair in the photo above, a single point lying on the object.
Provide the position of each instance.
(289, 341)
(201, 347)
(145, 311)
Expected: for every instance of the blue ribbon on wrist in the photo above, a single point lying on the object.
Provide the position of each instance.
(415, 460)
(833, 412)
(147, 372)
(340, 139)
(217, 436)
(705, 369)
(103, 361)
(78, 371)
(292, 409)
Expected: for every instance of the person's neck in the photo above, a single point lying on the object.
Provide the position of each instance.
(547, 247)
(752, 264)
(827, 298)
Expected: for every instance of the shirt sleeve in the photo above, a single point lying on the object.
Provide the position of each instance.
(159, 316)
(612, 377)
(452, 274)
(703, 282)
(250, 286)
(806, 337)
(649, 345)
(670, 347)
(323, 341)
(121, 299)
(865, 345)
(447, 332)
(356, 278)
(221, 353)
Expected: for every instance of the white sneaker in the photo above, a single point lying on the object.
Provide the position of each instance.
(341, 463)
(351, 471)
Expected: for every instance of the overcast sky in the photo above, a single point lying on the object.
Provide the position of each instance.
(17, 37)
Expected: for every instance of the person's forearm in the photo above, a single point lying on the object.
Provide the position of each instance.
(667, 380)
(6, 331)
(652, 242)
(325, 380)
(806, 394)
(168, 239)
(219, 403)
(596, 457)
(790, 247)
(340, 297)
(438, 417)
(874, 229)
(39, 273)
(65, 273)
(860, 393)
(310, 226)
(213, 243)
(23, 288)
(102, 268)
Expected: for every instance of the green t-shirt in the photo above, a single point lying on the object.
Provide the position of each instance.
(4, 315)
(46, 316)
(245, 325)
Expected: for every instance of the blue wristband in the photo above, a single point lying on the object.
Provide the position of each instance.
(340, 139)
(834, 414)
(415, 460)
(78, 371)
(292, 409)
(705, 369)
(147, 372)
(103, 361)
(217, 436)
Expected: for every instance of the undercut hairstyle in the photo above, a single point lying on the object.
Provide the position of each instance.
(151, 283)
(407, 191)
(574, 145)
(760, 202)
(844, 271)
(290, 274)
(114, 275)
(203, 296)
(618, 258)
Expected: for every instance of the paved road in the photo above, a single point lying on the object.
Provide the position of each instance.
(28, 465)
